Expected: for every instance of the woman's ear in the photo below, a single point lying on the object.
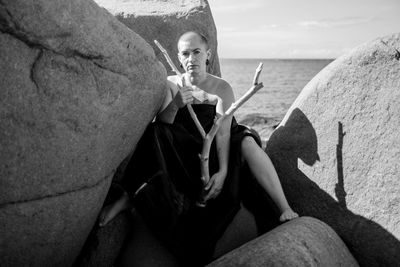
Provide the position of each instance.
(209, 54)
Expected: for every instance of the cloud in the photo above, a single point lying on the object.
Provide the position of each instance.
(333, 23)
(255, 35)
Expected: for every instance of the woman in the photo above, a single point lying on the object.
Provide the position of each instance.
(165, 194)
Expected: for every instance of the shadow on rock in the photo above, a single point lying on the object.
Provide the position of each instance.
(369, 242)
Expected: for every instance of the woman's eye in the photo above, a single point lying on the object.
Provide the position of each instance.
(196, 52)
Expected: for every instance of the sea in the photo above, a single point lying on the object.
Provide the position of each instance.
(283, 80)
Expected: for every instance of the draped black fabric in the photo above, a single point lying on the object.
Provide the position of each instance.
(163, 179)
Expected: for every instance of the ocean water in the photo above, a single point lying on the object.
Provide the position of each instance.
(283, 80)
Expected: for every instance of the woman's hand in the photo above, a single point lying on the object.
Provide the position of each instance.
(184, 96)
(214, 186)
(201, 96)
(288, 215)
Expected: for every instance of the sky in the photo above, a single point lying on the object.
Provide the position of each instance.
(300, 28)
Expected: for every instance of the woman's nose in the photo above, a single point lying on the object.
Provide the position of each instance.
(192, 56)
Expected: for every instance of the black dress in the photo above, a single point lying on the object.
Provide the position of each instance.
(163, 179)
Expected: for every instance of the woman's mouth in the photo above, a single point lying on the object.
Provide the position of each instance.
(190, 67)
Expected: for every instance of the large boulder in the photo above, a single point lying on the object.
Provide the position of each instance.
(166, 21)
(301, 242)
(337, 150)
(77, 90)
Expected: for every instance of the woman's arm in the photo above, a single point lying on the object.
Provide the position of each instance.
(175, 98)
(223, 135)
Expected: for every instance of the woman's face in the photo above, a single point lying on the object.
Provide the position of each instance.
(193, 54)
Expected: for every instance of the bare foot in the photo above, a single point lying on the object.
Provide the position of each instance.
(110, 211)
(288, 215)
(107, 214)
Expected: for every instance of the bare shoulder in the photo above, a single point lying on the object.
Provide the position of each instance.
(220, 83)
(174, 79)
(172, 82)
(222, 88)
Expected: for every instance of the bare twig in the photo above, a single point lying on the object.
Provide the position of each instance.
(207, 141)
(256, 86)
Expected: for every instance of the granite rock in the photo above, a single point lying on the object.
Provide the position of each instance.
(76, 92)
(303, 241)
(166, 21)
(337, 150)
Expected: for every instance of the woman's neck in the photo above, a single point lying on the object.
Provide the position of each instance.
(195, 78)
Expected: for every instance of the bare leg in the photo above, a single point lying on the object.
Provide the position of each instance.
(264, 171)
(110, 211)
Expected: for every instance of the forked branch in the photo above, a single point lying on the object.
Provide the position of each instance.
(207, 141)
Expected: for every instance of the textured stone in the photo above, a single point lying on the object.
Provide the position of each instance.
(77, 90)
(104, 243)
(143, 249)
(337, 150)
(47, 231)
(301, 242)
(166, 21)
(242, 229)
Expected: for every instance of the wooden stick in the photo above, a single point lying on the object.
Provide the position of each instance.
(204, 164)
(175, 69)
(257, 74)
(256, 86)
(214, 129)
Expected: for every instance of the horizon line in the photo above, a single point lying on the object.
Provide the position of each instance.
(279, 58)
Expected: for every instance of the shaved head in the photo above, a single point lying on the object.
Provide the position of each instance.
(190, 35)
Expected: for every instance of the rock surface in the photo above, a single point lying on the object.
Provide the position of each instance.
(143, 249)
(77, 90)
(337, 150)
(104, 243)
(242, 229)
(301, 242)
(166, 21)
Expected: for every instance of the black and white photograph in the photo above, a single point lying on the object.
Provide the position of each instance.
(191, 133)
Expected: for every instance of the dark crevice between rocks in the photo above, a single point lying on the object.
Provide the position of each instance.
(3, 205)
(103, 244)
(396, 52)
